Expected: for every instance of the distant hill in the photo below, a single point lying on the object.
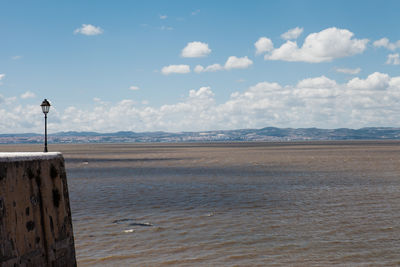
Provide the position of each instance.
(264, 134)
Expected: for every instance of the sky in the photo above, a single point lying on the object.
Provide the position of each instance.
(174, 66)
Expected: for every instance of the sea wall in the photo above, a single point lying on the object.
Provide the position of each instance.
(35, 215)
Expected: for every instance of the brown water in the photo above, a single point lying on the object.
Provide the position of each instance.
(242, 204)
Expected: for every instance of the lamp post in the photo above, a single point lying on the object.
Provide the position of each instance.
(45, 108)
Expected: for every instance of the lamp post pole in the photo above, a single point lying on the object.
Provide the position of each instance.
(45, 108)
(45, 132)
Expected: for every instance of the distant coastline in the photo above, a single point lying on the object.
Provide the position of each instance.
(268, 134)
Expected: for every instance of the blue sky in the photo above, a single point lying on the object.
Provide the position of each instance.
(198, 65)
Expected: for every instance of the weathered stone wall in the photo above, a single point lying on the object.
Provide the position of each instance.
(35, 215)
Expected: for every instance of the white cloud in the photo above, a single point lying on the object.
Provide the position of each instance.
(384, 42)
(196, 49)
(2, 76)
(134, 88)
(263, 45)
(393, 59)
(348, 71)
(319, 82)
(18, 118)
(292, 33)
(89, 29)
(16, 57)
(213, 68)
(237, 63)
(163, 16)
(203, 92)
(180, 69)
(375, 81)
(316, 88)
(210, 68)
(381, 42)
(28, 94)
(323, 46)
(312, 102)
(231, 63)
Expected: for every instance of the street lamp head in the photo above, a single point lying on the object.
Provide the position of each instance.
(45, 106)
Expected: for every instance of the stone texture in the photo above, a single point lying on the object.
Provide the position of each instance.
(35, 215)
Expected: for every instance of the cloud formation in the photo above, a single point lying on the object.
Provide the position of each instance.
(323, 46)
(238, 63)
(311, 102)
(292, 33)
(375, 81)
(210, 68)
(180, 69)
(263, 45)
(384, 42)
(317, 83)
(231, 63)
(28, 94)
(2, 76)
(393, 59)
(349, 71)
(196, 49)
(89, 29)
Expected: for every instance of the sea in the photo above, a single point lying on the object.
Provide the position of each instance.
(235, 204)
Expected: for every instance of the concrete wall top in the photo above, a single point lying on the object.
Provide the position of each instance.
(24, 156)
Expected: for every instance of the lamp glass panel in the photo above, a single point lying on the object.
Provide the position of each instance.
(45, 108)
